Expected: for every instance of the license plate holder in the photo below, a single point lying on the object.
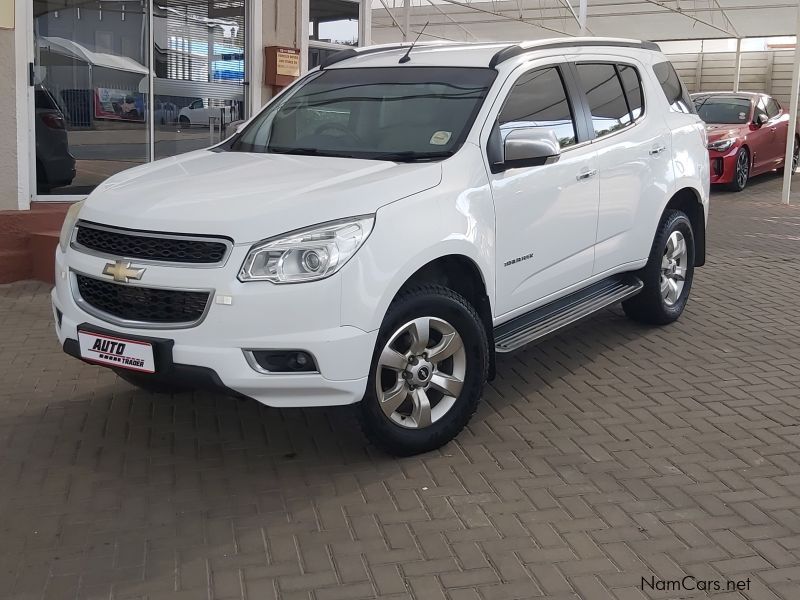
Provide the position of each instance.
(120, 350)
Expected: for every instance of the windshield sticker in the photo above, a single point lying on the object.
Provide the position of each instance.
(742, 116)
(440, 138)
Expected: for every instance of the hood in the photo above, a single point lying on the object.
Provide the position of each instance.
(719, 131)
(249, 197)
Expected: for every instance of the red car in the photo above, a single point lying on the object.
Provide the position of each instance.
(746, 135)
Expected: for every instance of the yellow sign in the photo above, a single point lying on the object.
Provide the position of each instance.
(6, 14)
(287, 62)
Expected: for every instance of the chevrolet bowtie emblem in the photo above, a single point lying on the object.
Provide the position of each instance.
(122, 271)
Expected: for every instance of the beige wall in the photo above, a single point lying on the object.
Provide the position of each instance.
(8, 129)
(280, 26)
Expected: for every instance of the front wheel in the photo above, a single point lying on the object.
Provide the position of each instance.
(668, 274)
(428, 371)
(741, 171)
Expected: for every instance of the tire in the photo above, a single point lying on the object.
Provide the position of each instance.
(150, 383)
(392, 412)
(741, 171)
(654, 305)
(795, 157)
(183, 120)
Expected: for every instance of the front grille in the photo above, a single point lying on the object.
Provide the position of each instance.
(150, 246)
(143, 304)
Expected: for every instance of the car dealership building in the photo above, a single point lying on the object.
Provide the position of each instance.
(116, 83)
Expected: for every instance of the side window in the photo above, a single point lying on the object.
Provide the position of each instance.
(606, 99)
(632, 85)
(773, 108)
(677, 96)
(761, 108)
(538, 99)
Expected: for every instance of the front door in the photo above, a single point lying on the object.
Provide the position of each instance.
(546, 216)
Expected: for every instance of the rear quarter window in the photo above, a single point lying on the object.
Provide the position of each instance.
(673, 88)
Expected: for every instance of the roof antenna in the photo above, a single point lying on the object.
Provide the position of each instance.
(405, 58)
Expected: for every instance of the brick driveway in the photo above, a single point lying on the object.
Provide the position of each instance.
(608, 454)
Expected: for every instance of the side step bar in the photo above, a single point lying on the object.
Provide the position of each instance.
(555, 315)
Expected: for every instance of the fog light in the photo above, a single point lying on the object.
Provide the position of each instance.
(281, 361)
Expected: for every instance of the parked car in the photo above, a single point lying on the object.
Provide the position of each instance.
(746, 135)
(198, 113)
(478, 198)
(55, 166)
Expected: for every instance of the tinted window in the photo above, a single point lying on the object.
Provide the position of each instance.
(633, 89)
(538, 100)
(723, 109)
(773, 108)
(606, 99)
(673, 88)
(386, 113)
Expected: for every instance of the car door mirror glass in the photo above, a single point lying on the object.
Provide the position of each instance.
(529, 147)
(761, 119)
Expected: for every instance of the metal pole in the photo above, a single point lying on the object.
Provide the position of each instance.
(406, 19)
(738, 73)
(582, 10)
(787, 171)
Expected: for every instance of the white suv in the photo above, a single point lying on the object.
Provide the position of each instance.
(392, 221)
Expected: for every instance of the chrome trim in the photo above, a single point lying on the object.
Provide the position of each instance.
(109, 318)
(152, 234)
(251, 360)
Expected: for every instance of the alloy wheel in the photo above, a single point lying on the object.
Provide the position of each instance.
(420, 372)
(742, 169)
(673, 268)
(795, 156)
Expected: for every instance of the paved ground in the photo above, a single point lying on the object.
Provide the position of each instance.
(606, 455)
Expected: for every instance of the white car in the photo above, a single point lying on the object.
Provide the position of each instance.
(197, 113)
(392, 221)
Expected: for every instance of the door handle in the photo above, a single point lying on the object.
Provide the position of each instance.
(586, 174)
(773, 129)
(656, 150)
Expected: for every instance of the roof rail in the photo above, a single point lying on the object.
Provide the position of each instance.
(516, 49)
(351, 52)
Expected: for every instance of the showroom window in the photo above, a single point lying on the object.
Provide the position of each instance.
(95, 111)
(538, 99)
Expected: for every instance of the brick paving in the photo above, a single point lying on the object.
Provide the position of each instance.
(608, 454)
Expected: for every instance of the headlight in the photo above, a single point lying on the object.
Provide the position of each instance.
(306, 254)
(69, 223)
(721, 145)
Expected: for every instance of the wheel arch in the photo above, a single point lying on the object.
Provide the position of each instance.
(461, 274)
(688, 201)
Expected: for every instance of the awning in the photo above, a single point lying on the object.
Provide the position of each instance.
(97, 59)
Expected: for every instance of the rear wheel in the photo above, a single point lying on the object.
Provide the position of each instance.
(795, 156)
(668, 274)
(741, 171)
(428, 371)
(184, 121)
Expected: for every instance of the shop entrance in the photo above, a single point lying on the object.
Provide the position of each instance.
(118, 83)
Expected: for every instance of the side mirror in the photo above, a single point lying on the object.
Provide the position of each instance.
(527, 147)
(234, 127)
(761, 119)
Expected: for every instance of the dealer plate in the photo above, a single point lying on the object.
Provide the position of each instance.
(115, 351)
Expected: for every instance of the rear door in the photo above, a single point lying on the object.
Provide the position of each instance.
(633, 146)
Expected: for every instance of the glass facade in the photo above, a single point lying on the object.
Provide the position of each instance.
(333, 25)
(92, 91)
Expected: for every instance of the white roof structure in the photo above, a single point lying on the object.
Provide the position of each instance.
(77, 51)
(482, 20)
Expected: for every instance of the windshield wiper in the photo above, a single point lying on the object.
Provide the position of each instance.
(300, 151)
(409, 156)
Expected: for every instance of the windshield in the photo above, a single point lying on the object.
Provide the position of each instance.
(387, 113)
(723, 109)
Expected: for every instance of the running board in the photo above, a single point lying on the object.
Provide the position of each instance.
(555, 315)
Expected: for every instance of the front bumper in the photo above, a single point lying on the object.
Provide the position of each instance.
(257, 315)
(722, 165)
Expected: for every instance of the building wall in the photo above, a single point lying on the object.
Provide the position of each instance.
(8, 127)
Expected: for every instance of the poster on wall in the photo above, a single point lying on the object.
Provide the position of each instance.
(118, 104)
